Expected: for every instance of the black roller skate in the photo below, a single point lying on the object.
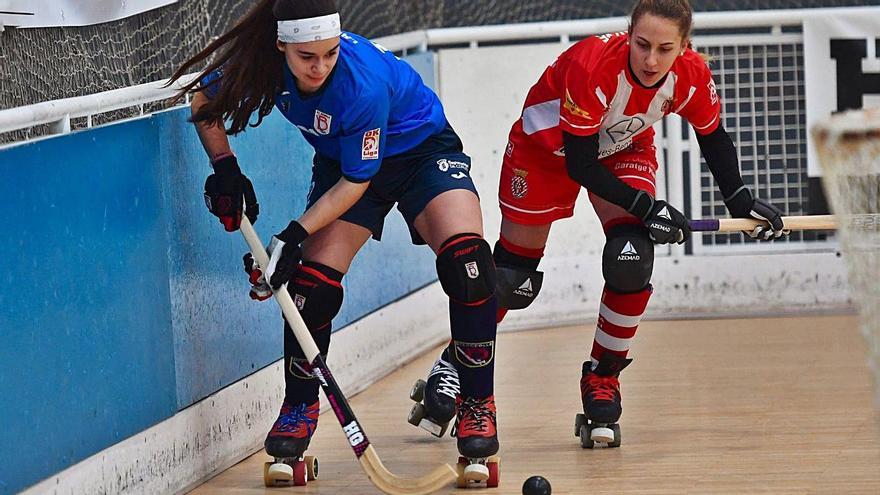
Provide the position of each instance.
(475, 428)
(287, 442)
(435, 398)
(600, 393)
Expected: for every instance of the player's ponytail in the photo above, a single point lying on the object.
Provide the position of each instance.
(253, 67)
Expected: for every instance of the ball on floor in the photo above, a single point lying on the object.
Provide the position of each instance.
(536, 485)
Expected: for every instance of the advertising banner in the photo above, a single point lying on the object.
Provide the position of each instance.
(56, 13)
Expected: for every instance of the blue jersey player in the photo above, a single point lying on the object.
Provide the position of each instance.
(381, 139)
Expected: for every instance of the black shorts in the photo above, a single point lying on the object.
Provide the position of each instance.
(411, 179)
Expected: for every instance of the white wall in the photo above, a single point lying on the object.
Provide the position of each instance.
(482, 108)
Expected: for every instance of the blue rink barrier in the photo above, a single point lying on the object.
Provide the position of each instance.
(124, 300)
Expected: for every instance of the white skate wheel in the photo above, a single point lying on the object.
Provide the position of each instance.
(278, 472)
(602, 434)
(477, 473)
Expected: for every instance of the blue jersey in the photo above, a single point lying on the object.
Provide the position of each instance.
(373, 106)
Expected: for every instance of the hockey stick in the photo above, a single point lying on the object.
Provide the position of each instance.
(383, 479)
(806, 222)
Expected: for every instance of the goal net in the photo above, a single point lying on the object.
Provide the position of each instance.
(849, 152)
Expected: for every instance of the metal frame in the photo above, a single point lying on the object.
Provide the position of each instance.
(773, 23)
(59, 112)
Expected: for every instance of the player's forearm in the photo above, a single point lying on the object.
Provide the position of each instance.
(721, 158)
(211, 134)
(582, 163)
(336, 201)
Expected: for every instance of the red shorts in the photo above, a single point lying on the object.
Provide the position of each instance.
(535, 188)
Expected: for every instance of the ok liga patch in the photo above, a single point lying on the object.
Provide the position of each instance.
(474, 354)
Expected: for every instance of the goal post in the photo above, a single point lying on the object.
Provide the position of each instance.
(848, 146)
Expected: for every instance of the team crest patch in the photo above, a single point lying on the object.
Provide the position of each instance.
(370, 145)
(301, 368)
(474, 354)
(519, 187)
(322, 122)
(472, 270)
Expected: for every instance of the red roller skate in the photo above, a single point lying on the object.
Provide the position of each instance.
(477, 442)
(287, 442)
(600, 393)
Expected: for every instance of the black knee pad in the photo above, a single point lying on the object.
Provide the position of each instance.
(519, 281)
(628, 258)
(466, 269)
(316, 290)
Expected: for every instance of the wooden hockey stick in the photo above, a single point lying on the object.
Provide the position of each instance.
(806, 222)
(383, 479)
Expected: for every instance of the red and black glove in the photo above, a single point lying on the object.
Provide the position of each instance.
(228, 193)
(260, 290)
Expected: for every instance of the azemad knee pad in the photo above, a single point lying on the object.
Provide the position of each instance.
(466, 269)
(316, 290)
(628, 258)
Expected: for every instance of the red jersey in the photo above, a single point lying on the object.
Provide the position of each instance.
(590, 89)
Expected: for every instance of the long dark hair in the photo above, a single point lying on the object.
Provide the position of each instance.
(252, 65)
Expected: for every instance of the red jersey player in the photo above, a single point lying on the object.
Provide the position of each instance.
(587, 122)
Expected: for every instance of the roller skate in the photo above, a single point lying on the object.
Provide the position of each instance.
(287, 441)
(477, 443)
(435, 399)
(600, 392)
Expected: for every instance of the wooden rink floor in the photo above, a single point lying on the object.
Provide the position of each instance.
(771, 405)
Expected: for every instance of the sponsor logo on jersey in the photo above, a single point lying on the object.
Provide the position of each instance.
(322, 122)
(519, 186)
(713, 92)
(473, 271)
(625, 129)
(628, 253)
(572, 107)
(370, 145)
(509, 150)
(474, 354)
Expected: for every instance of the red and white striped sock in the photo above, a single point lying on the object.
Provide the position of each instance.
(619, 316)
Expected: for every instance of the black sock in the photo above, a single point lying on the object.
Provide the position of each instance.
(473, 346)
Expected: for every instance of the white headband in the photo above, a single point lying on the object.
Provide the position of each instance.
(310, 29)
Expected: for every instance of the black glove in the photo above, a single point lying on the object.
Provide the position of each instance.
(285, 254)
(224, 190)
(665, 224)
(742, 205)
